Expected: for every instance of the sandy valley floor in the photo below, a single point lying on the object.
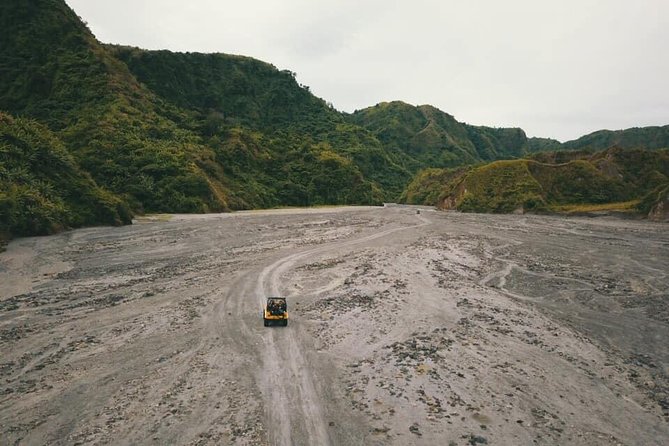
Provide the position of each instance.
(406, 329)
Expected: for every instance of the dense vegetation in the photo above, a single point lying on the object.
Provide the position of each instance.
(646, 137)
(156, 131)
(227, 89)
(547, 182)
(233, 95)
(434, 138)
(42, 190)
(227, 133)
(116, 129)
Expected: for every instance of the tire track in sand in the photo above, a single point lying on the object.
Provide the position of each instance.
(293, 406)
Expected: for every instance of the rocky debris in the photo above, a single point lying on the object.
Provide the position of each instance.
(325, 264)
(421, 347)
(343, 303)
(381, 430)
(16, 332)
(464, 303)
(473, 440)
(642, 360)
(651, 379)
(141, 337)
(190, 309)
(432, 402)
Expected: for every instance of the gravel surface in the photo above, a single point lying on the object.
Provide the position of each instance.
(405, 329)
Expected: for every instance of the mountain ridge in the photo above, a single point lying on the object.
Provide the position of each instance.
(550, 182)
(191, 132)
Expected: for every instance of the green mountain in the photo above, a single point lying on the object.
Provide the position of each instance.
(561, 181)
(637, 137)
(254, 138)
(433, 138)
(535, 144)
(157, 131)
(130, 142)
(235, 90)
(235, 95)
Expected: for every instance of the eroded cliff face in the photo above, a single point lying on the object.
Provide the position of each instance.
(660, 212)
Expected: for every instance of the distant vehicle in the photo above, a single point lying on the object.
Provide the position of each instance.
(275, 311)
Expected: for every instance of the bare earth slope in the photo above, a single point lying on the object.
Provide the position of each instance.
(437, 328)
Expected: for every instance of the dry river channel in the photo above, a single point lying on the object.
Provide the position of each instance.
(406, 328)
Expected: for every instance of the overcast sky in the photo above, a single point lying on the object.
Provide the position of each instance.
(559, 68)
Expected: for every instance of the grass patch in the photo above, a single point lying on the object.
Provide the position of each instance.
(153, 217)
(624, 206)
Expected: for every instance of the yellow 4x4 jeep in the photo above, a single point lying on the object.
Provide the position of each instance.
(275, 312)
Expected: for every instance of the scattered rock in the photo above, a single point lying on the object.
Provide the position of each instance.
(477, 439)
(415, 429)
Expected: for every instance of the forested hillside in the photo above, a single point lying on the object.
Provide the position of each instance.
(234, 90)
(434, 138)
(120, 132)
(157, 131)
(275, 137)
(645, 137)
(549, 182)
(159, 152)
(42, 190)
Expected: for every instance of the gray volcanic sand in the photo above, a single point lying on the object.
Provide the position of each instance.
(405, 328)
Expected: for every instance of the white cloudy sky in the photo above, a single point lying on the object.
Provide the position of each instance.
(555, 68)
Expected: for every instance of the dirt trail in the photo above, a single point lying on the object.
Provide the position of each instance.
(405, 329)
(288, 382)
